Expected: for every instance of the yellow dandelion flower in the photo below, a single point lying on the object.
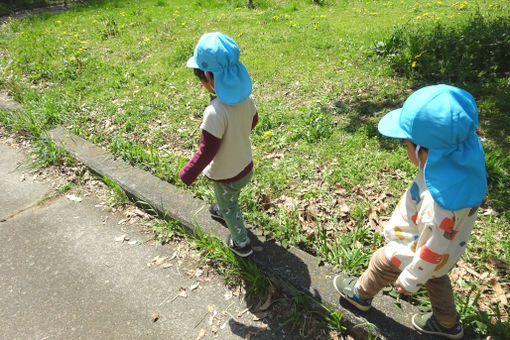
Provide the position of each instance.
(183, 23)
(58, 22)
(275, 17)
(323, 15)
(413, 65)
(419, 55)
(314, 27)
(267, 133)
(131, 23)
(76, 35)
(147, 39)
(73, 58)
(240, 34)
(84, 42)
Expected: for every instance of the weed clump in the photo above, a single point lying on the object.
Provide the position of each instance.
(462, 52)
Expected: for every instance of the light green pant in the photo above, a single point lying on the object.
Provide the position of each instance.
(227, 196)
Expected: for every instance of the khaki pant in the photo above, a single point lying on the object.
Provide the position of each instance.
(381, 272)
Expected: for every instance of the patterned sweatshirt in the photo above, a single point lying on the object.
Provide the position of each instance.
(424, 240)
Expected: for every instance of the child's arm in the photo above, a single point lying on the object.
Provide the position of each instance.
(209, 146)
(437, 247)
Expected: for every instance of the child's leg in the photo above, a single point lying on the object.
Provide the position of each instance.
(379, 274)
(441, 298)
(227, 195)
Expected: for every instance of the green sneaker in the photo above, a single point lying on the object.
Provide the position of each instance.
(427, 323)
(345, 286)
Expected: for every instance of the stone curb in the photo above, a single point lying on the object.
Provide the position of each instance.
(8, 104)
(294, 266)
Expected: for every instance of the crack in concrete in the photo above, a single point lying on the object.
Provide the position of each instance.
(49, 196)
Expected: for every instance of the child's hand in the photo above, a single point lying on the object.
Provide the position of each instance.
(186, 179)
(401, 289)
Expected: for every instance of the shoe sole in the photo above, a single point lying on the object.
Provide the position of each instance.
(449, 336)
(218, 218)
(353, 302)
(242, 254)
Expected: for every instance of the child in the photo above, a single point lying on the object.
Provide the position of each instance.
(224, 155)
(429, 230)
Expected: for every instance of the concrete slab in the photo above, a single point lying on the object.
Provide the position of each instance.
(63, 275)
(291, 265)
(18, 189)
(6, 103)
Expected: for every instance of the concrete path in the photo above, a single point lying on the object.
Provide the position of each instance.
(63, 274)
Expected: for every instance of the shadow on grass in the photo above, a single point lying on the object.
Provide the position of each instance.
(364, 113)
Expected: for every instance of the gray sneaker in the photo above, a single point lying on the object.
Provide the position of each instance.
(427, 323)
(243, 251)
(345, 286)
(215, 213)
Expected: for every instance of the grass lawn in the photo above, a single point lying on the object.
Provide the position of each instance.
(323, 75)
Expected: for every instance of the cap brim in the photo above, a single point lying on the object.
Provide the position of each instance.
(389, 125)
(233, 85)
(191, 63)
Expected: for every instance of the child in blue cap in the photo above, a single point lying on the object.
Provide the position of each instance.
(224, 155)
(429, 230)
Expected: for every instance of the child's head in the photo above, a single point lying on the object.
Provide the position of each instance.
(218, 55)
(416, 153)
(443, 120)
(206, 78)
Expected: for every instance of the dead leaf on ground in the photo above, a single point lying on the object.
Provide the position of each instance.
(201, 334)
(242, 312)
(155, 317)
(122, 238)
(373, 219)
(265, 201)
(212, 310)
(194, 286)
(73, 198)
(182, 292)
(498, 291)
(499, 264)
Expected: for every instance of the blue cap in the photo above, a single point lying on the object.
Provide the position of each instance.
(219, 54)
(444, 119)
